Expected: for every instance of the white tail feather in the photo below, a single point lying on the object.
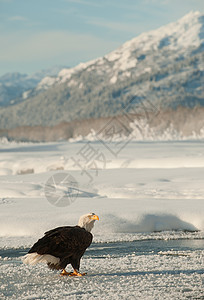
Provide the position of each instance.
(35, 258)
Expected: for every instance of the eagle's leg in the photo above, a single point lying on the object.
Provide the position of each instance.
(76, 273)
(64, 273)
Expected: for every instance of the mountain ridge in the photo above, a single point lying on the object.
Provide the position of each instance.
(163, 68)
(15, 87)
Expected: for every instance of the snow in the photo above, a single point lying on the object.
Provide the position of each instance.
(181, 34)
(115, 55)
(125, 61)
(65, 74)
(81, 85)
(148, 70)
(149, 242)
(185, 33)
(46, 82)
(113, 79)
(26, 94)
(178, 36)
(72, 82)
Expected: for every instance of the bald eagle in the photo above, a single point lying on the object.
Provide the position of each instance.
(63, 245)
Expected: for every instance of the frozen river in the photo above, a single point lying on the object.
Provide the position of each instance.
(149, 242)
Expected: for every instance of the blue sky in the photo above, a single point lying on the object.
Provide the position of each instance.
(39, 34)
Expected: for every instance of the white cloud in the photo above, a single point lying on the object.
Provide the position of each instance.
(51, 44)
(191, 3)
(158, 2)
(85, 2)
(119, 26)
(17, 18)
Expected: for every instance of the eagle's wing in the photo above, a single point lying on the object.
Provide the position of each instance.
(63, 241)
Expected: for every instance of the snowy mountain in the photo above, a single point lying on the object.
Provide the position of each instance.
(179, 37)
(164, 67)
(14, 87)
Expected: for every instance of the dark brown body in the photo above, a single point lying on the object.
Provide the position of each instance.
(67, 243)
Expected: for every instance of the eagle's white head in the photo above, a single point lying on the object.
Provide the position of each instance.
(87, 221)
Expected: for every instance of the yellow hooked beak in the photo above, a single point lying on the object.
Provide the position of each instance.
(94, 217)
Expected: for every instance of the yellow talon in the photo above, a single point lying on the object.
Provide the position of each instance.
(75, 273)
(64, 273)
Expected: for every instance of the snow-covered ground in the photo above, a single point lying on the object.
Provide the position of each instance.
(149, 242)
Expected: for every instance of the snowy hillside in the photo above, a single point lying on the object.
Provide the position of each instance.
(163, 67)
(178, 37)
